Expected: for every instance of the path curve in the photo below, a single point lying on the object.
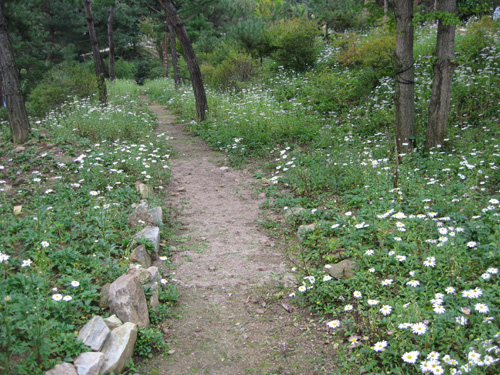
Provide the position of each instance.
(231, 318)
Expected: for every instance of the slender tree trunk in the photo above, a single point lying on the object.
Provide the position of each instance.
(18, 118)
(444, 67)
(111, 42)
(326, 32)
(165, 62)
(100, 67)
(51, 46)
(190, 56)
(173, 52)
(405, 86)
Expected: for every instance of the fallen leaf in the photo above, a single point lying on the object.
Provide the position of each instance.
(17, 210)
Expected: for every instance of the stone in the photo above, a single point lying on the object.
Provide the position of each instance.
(157, 214)
(154, 300)
(146, 191)
(141, 216)
(113, 322)
(89, 363)
(303, 229)
(294, 212)
(119, 348)
(104, 301)
(150, 233)
(62, 369)
(140, 255)
(342, 270)
(128, 301)
(94, 333)
(140, 273)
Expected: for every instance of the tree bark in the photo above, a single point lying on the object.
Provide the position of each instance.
(18, 118)
(190, 56)
(173, 52)
(444, 68)
(100, 67)
(165, 48)
(111, 42)
(405, 86)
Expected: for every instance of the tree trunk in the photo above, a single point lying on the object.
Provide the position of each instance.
(100, 67)
(111, 42)
(51, 46)
(405, 86)
(444, 67)
(18, 118)
(165, 62)
(173, 52)
(190, 56)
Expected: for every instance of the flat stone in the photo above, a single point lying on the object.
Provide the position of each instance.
(146, 191)
(104, 301)
(113, 322)
(128, 301)
(140, 255)
(63, 369)
(303, 229)
(94, 333)
(150, 233)
(119, 348)
(157, 215)
(342, 270)
(89, 363)
(294, 212)
(141, 216)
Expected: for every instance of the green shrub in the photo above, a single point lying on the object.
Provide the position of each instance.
(294, 44)
(235, 68)
(374, 52)
(147, 69)
(479, 35)
(125, 69)
(149, 341)
(62, 82)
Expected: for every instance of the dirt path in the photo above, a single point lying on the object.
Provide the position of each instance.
(230, 318)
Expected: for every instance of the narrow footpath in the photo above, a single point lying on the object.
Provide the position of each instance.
(231, 318)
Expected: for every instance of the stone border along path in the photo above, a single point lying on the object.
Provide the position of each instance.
(234, 314)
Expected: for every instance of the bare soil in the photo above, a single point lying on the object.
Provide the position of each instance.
(234, 315)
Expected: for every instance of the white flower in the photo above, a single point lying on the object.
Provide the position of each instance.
(380, 346)
(471, 244)
(94, 193)
(163, 258)
(164, 281)
(57, 297)
(27, 263)
(373, 302)
(438, 309)
(492, 270)
(335, 226)
(334, 324)
(357, 294)
(44, 244)
(369, 252)
(386, 282)
(348, 213)
(481, 308)
(371, 270)
(410, 357)
(450, 290)
(419, 328)
(486, 276)
(401, 258)
(386, 310)
(327, 278)
(461, 320)
(75, 283)
(413, 283)
(67, 298)
(302, 288)
(348, 307)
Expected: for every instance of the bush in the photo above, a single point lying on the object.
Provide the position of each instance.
(62, 82)
(125, 69)
(294, 44)
(374, 52)
(237, 67)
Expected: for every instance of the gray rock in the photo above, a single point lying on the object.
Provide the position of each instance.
(119, 348)
(154, 300)
(89, 363)
(146, 191)
(62, 369)
(94, 333)
(113, 322)
(127, 300)
(140, 255)
(141, 216)
(294, 212)
(342, 270)
(157, 215)
(104, 302)
(150, 233)
(303, 229)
